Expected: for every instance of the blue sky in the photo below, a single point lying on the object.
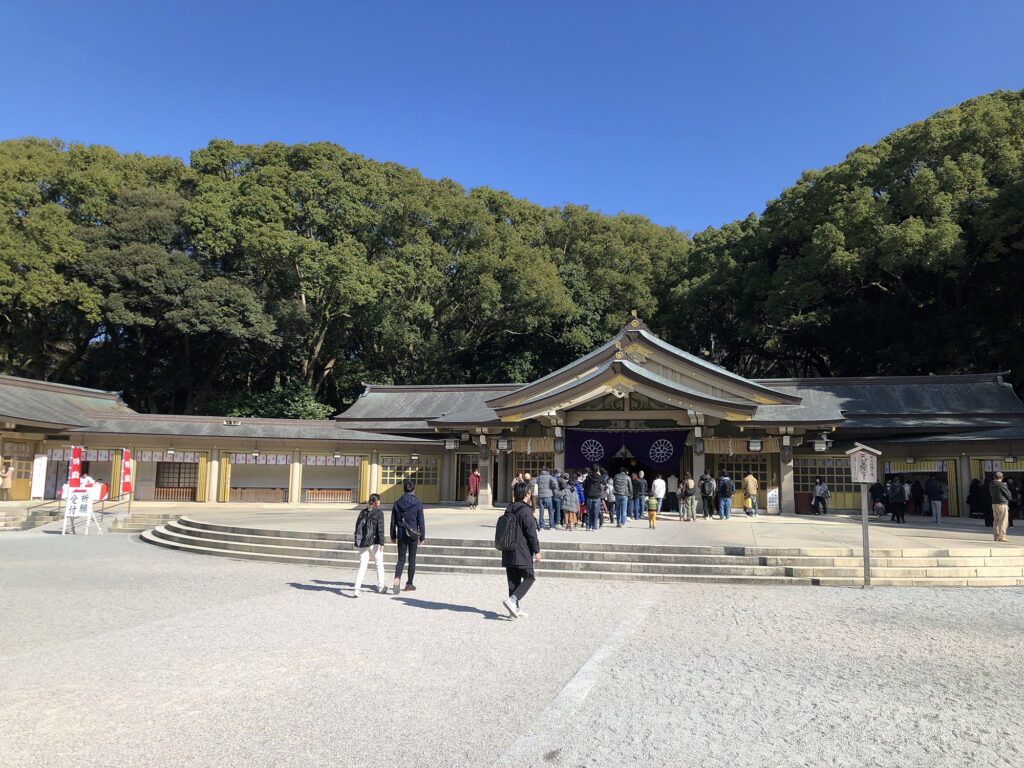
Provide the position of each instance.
(692, 114)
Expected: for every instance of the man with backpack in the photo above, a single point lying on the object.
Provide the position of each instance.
(707, 494)
(726, 488)
(516, 537)
(369, 540)
(408, 530)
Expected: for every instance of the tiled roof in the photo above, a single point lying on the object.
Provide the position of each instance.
(56, 404)
(899, 398)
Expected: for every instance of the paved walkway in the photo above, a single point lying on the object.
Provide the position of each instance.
(114, 654)
(802, 531)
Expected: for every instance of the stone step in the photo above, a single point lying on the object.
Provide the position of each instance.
(910, 573)
(496, 571)
(590, 557)
(491, 558)
(467, 551)
(652, 548)
(922, 582)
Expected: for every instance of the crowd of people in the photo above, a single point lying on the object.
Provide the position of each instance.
(561, 500)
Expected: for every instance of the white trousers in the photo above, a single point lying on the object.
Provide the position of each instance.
(364, 560)
(936, 509)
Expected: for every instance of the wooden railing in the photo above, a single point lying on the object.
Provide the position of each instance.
(258, 495)
(328, 495)
(165, 494)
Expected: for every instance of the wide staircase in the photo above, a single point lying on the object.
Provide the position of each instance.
(634, 562)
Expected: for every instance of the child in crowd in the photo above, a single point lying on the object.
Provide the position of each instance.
(652, 511)
(570, 503)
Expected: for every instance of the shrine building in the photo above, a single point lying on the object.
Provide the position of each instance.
(635, 402)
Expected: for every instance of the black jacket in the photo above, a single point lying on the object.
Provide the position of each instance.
(376, 526)
(593, 486)
(640, 488)
(407, 511)
(527, 543)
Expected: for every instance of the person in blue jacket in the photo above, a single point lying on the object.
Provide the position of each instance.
(408, 530)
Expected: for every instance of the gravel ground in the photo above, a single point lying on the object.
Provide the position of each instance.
(116, 653)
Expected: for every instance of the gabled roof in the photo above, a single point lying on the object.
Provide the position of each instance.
(607, 372)
(636, 335)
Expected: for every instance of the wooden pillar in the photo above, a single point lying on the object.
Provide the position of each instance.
(787, 497)
(295, 478)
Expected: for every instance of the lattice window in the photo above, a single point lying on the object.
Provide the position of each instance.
(738, 465)
(394, 470)
(176, 475)
(533, 462)
(834, 470)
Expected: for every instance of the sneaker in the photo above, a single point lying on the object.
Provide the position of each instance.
(383, 590)
(512, 606)
(356, 592)
(410, 588)
(397, 586)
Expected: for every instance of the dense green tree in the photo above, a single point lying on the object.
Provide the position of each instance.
(272, 280)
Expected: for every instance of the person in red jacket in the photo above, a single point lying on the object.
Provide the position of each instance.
(474, 488)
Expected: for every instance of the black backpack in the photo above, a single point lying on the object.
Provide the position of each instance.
(707, 487)
(363, 535)
(506, 532)
(726, 487)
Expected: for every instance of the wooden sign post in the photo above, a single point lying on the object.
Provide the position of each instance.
(864, 470)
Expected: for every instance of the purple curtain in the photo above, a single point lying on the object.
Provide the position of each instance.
(583, 448)
(661, 450)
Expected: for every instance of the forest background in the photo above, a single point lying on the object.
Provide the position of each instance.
(272, 280)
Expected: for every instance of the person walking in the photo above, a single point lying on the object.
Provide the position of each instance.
(689, 493)
(707, 494)
(623, 488)
(1000, 495)
(518, 562)
(593, 491)
(934, 493)
(750, 493)
(658, 489)
(474, 488)
(726, 488)
(408, 530)
(898, 499)
(374, 546)
(6, 481)
(821, 497)
(547, 489)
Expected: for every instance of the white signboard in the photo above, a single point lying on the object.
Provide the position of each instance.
(863, 467)
(79, 504)
(38, 476)
(773, 500)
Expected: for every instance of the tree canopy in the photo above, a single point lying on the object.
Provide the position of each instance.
(273, 280)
